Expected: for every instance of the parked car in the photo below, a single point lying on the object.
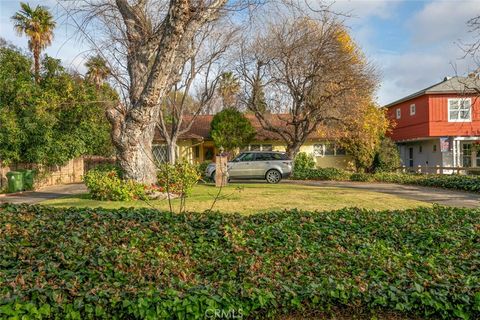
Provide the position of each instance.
(268, 165)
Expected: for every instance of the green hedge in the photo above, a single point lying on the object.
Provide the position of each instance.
(145, 264)
(321, 174)
(457, 182)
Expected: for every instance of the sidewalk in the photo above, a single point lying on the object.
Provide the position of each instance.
(443, 197)
(46, 193)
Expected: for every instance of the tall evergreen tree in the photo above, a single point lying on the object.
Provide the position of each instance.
(38, 25)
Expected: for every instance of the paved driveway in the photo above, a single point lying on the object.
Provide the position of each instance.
(433, 195)
(45, 193)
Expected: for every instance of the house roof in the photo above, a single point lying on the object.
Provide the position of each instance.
(200, 129)
(448, 85)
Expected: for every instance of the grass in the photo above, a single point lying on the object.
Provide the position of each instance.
(250, 198)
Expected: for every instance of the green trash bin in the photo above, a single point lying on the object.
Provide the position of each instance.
(15, 181)
(28, 176)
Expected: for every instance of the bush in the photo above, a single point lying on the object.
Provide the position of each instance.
(203, 166)
(105, 183)
(303, 161)
(387, 157)
(146, 264)
(321, 174)
(361, 177)
(178, 178)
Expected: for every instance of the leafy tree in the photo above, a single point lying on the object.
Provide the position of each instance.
(362, 139)
(230, 129)
(229, 87)
(98, 71)
(38, 25)
(52, 121)
(387, 157)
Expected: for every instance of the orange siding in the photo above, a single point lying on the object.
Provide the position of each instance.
(410, 126)
(439, 125)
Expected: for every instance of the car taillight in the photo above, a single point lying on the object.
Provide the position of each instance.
(287, 163)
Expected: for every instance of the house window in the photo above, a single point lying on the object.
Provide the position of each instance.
(434, 148)
(267, 147)
(466, 155)
(399, 113)
(459, 110)
(420, 149)
(197, 152)
(260, 147)
(160, 153)
(413, 109)
(318, 150)
(327, 149)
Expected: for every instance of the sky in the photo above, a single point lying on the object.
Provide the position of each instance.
(413, 44)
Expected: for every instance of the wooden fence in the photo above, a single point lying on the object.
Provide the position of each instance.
(71, 172)
(440, 170)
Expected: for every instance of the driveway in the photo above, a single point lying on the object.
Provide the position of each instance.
(45, 193)
(433, 195)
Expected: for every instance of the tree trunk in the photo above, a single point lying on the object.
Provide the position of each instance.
(292, 150)
(172, 151)
(134, 153)
(36, 62)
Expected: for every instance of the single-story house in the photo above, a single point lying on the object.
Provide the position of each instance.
(197, 146)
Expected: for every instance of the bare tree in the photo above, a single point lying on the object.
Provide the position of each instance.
(193, 93)
(147, 43)
(304, 73)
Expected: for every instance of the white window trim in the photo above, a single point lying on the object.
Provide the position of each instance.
(398, 113)
(459, 120)
(413, 109)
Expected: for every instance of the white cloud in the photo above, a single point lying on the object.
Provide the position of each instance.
(442, 21)
(363, 9)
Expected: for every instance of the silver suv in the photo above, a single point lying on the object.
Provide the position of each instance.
(268, 165)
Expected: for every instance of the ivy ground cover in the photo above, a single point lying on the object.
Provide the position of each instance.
(145, 264)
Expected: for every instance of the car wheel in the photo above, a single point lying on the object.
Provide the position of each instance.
(273, 176)
(212, 177)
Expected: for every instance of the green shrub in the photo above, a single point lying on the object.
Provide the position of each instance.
(387, 157)
(321, 174)
(105, 183)
(178, 178)
(303, 161)
(146, 264)
(203, 166)
(361, 177)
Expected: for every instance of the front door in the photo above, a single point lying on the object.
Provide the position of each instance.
(410, 157)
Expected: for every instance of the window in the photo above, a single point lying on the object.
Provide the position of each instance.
(434, 148)
(260, 147)
(160, 153)
(399, 113)
(420, 149)
(263, 157)
(459, 110)
(245, 157)
(267, 147)
(197, 152)
(466, 155)
(255, 147)
(327, 149)
(413, 109)
(318, 150)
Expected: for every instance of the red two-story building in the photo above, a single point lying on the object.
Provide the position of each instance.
(439, 125)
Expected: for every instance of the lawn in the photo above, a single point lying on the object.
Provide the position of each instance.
(250, 198)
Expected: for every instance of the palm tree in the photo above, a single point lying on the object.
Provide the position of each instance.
(37, 24)
(98, 71)
(229, 88)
